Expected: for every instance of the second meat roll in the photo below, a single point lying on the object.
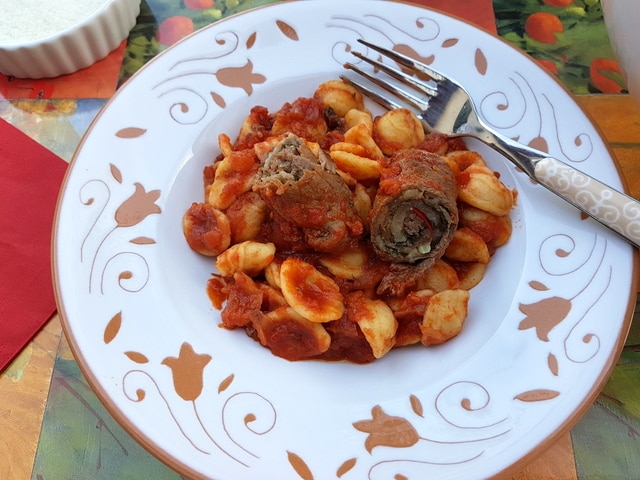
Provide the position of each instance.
(414, 215)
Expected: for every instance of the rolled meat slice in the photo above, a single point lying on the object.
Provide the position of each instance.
(305, 190)
(414, 216)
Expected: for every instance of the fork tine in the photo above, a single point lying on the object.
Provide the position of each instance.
(406, 61)
(402, 77)
(372, 94)
(406, 96)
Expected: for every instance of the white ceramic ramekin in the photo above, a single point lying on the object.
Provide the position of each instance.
(73, 48)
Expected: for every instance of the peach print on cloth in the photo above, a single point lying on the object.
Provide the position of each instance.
(213, 402)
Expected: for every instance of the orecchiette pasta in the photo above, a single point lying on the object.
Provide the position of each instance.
(272, 275)
(348, 265)
(495, 230)
(233, 177)
(441, 276)
(397, 130)
(248, 257)
(246, 216)
(480, 187)
(276, 328)
(444, 316)
(356, 118)
(272, 298)
(306, 302)
(339, 96)
(361, 201)
(361, 135)
(376, 321)
(469, 274)
(467, 246)
(312, 294)
(358, 166)
(206, 229)
(460, 160)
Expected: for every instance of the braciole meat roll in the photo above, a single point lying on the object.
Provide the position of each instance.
(303, 189)
(414, 216)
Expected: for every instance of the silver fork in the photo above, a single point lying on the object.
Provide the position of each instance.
(444, 106)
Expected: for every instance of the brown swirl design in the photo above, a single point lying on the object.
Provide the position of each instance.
(187, 370)
(97, 195)
(519, 103)
(376, 28)
(584, 269)
(506, 109)
(247, 414)
(188, 106)
(576, 149)
(469, 428)
(471, 398)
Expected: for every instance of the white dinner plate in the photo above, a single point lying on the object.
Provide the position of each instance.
(545, 326)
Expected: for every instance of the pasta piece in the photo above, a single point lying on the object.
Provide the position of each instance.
(356, 117)
(362, 202)
(246, 216)
(272, 274)
(349, 147)
(225, 145)
(397, 130)
(441, 276)
(255, 128)
(437, 143)
(291, 336)
(409, 314)
(206, 229)
(480, 187)
(470, 274)
(495, 230)
(359, 167)
(244, 301)
(248, 257)
(467, 246)
(460, 160)
(348, 265)
(217, 290)
(444, 317)
(347, 179)
(233, 177)
(303, 117)
(376, 321)
(361, 135)
(339, 96)
(313, 295)
(272, 297)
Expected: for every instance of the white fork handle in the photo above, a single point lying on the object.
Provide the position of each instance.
(619, 212)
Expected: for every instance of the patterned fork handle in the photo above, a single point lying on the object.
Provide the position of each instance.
(608, 206)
